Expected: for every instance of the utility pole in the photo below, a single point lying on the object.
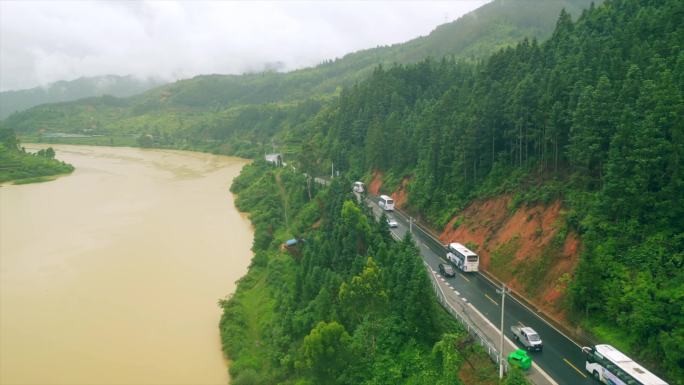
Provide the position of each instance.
(503, 292)
(332, 170)
(411, 225)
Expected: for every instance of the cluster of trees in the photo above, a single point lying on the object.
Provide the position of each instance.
(598, 109)
(596, 112)
(192, 111)
(17, 164)
(347, 305)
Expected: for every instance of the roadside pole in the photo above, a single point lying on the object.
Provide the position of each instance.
(503, 292)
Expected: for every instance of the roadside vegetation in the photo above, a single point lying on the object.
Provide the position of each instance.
(22, 167)
(591, 117)
(345, 305)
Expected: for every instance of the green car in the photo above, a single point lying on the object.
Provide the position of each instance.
(520, 359)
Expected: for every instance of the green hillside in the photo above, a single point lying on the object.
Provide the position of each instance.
(592, 117)
(64, 91)
(186, 113)
(346, 305)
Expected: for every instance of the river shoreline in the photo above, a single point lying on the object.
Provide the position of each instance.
(136, 246)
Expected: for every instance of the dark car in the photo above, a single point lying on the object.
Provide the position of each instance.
(446, 270)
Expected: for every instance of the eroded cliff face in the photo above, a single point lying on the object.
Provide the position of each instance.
(529, 247)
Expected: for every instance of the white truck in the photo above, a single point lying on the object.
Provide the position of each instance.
(527, 337)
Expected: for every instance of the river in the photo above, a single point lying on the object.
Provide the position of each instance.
(111, 275)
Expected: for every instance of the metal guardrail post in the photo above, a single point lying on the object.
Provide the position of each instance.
(493, 353)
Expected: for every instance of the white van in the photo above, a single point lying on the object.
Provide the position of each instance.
(358, 187)
(386, 203)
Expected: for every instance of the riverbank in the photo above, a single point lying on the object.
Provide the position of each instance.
(112, 274)
(342, 302)
(21, 167)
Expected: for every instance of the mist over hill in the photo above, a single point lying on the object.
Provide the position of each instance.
(69, 90)
(477, 34)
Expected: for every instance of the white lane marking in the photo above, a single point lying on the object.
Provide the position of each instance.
(464, 299)
(532, 312)
(491, 299)
(534, 364)
(441, 279)
(457, 293)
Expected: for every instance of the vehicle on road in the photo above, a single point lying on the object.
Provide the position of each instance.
(358, 187)
(610, 366)
(386, 203)
(446, 270)
(391, 222)
(462, 257)
(520, 359)
(527, 337)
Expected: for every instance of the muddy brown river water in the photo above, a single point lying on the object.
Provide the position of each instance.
(111, 275)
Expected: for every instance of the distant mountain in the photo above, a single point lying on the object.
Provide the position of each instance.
(65, 91)
(480, 33)
(209, 99)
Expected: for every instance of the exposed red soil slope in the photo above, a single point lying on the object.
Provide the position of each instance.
(490, 224)
(376, 183)
(401, 194)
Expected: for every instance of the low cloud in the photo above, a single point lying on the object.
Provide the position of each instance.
(42, 42)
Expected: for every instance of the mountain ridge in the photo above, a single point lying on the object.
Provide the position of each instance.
(461, 39)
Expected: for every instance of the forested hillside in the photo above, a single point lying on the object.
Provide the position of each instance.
(593, 116)
(345, 305)
(64, 91)
(216, 112)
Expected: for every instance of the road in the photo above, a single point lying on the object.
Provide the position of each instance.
(561, 358)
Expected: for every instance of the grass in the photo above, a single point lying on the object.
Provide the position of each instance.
(478, 369)
(251, 311)
(503, 257)
(36, 179)
(114, 141)
(609, 334)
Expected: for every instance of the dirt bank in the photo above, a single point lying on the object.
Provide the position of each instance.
(528, 247)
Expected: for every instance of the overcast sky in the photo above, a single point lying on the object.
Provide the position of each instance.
(42, 42)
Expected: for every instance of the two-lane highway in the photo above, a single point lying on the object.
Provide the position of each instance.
(561, 358)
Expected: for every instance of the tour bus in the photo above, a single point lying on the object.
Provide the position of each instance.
(386, 203)
(609, 366)
(462, 258)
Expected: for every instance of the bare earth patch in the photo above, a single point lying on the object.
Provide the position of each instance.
(376, 183)
(538, 268)
(401, 194)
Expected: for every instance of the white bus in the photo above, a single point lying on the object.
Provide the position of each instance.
(462, 257)
(609, 366)
(386, 203)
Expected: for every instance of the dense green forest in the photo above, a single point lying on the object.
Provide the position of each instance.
(346, 305)
(219, 113)
(593, 116)
(18, 165)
